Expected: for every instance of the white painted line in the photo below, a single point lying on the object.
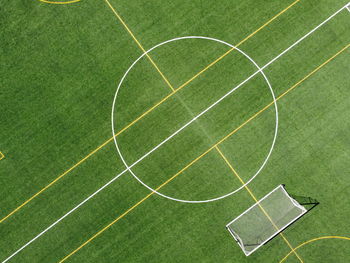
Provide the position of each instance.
(65, 215)
(348, 7)
(175, 133)
(242, 83)
(259, 71)
(301, 39)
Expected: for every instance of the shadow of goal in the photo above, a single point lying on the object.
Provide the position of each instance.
(273, 213)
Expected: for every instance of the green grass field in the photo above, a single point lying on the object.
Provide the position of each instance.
(60, 68)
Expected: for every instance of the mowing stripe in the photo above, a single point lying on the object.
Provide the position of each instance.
(268, 22)
(284, 93)
(313, 240)
(139, 44)
(257, 202)
(129, 210)
(133, 122)
(160, 144)
(59, 2)
(238, 44)
(203, 154)
(54, 181)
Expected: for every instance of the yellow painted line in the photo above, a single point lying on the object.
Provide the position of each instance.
(272, 102)
(257, 202)
(286, 92)
(2, 156)
(156, 105)
(54, 181)
(268, 22)
(128, 211)
(145, 113)
(87, 156)
(59, 2)
(238, 44)
(313, 240)
(314, 71)
(136, 205)
(139, 44)
(195, 160)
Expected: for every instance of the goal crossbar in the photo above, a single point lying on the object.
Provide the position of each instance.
(265, 219)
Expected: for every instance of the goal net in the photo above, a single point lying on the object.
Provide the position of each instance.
(265, 219)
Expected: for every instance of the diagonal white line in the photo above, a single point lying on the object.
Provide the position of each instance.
(174, 134)
(305, 36)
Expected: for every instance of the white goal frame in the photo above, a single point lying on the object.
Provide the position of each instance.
(278, 230)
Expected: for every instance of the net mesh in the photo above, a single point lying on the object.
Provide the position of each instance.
(262, 221)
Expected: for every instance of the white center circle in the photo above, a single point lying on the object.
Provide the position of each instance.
(130, 166)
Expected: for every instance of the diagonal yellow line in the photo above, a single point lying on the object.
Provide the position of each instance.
(257, 202)
(84, 159)
(60, 2)
(268, 22)
(313, 240)
(139, 44)
(237, 45)
(2, 156)
(128, 211)
(199, 157)
(145, 113)
(286, 92)
(54, 181)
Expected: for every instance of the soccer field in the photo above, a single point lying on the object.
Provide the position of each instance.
(135, 131)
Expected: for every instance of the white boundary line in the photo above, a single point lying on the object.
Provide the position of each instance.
(305, 36)
(227, 94)
(65, 215)
(278, 230)
(258, 71)
(115, 178)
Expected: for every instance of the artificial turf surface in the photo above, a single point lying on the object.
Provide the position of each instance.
(60, 66)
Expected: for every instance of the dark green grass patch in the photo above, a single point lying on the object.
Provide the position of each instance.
(60, 66)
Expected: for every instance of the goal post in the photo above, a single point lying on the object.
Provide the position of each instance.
(265, 219)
